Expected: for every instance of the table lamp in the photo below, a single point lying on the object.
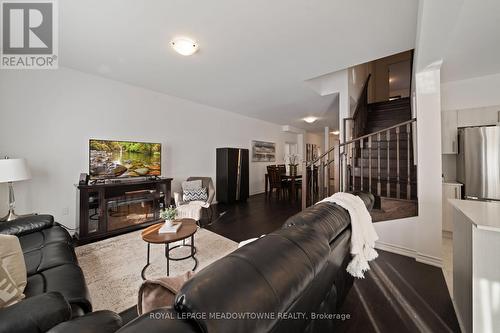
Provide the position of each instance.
(13, 170)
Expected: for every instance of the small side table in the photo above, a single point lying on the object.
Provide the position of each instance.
(151, 236)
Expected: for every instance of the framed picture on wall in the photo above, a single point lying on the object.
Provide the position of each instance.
(263, 151)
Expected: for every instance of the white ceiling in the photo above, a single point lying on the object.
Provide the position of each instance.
(254, 55)
(474, 47)
(464, 34)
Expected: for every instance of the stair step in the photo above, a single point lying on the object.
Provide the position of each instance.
(383, 169)
(383, 180)
(383, 160)
(383, 124)
(385, 104)
(372, 129)
(392, 112)
(403, 148)
(383, 140)
(403, 109)
(394, 116)
(383, 188)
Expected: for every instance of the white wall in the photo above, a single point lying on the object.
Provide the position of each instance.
(420, 236)
(334, 83)
(356, 79)
(316, 139)
(48, 117)
(471, 93)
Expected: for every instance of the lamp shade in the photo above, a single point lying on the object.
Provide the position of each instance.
(14, 170)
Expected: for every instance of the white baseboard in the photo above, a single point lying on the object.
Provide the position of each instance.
(429, 260)
(404, 251)
(407, 252)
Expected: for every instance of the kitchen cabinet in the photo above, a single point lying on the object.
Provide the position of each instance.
(450, 191)
(449, 132)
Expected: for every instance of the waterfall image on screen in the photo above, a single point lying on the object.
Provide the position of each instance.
(112, 159)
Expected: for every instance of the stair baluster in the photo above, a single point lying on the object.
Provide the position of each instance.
(388, 185)
(351, 158)
(398, 188)
(369, 164)
(379, 187)
(408, 146)
(361, 160)
(353, 164)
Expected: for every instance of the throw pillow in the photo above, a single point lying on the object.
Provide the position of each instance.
(155, 294)
(195, 195)
(9, 293)
(191, 185)
(12, 259)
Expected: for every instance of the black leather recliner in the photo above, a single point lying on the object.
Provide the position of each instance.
(292, 280)
(57, 298)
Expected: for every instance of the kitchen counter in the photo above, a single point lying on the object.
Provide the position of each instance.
(484, 215)
(447, 182)
(476, 274)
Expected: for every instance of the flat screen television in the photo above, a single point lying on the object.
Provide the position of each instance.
(121, 159)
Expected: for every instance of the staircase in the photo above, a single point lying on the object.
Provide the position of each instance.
(386, 114)
(378, 159)
(384, 140)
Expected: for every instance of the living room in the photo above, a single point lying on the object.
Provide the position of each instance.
(266, 92)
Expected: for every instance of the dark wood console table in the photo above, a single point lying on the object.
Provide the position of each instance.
(110, 209)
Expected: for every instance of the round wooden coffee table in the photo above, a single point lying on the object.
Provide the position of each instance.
(151, 236)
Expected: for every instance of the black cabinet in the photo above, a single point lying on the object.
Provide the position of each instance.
(232, 175)
(114, 208)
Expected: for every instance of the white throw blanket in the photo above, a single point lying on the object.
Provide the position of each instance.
(363, 235)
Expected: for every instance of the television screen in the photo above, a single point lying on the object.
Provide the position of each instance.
(111, 159)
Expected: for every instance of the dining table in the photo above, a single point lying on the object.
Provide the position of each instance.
(292, 178)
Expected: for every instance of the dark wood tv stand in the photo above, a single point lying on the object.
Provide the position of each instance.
(106, 210)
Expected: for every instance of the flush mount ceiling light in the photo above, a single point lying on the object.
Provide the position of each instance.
(335, 132)
(310, 120)
(184, 46)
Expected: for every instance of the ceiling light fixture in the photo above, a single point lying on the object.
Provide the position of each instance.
(310, 120)
(184, 46)
(335, 132)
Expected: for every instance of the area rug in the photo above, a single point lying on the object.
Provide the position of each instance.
(112, 267)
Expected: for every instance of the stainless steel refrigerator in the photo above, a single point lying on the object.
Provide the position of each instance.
(478, 162)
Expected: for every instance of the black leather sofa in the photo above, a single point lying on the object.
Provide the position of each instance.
(57, 298)
(287, 278)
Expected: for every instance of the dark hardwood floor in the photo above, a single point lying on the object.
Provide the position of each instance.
(398, 294)
(259, 215)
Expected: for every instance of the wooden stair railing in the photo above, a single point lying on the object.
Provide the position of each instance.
(379, 176)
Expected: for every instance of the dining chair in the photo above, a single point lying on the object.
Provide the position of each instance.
(275, 181)
(281, 169)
